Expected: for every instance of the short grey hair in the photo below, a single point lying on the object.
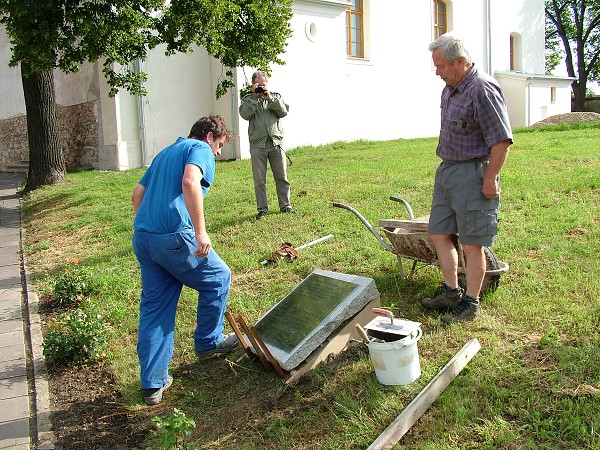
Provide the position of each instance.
(453, 47)
(259, 74)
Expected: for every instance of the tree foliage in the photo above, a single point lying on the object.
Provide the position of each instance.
(62, 34)
(573, 33)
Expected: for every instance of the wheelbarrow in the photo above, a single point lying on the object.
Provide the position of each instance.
(408, 239)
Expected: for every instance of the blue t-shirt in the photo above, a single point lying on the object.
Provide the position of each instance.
(163, 209)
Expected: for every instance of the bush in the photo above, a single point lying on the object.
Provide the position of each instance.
(174, 430)
(73, 285)
(76, 337)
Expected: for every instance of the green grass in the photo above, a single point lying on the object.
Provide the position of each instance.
(534, 384)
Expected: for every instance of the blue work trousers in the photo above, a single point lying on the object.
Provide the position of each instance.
(167, 262)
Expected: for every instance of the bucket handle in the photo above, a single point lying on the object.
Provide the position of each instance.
(413, 339)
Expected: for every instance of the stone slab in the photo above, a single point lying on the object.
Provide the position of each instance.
(306, 317)
(14, 435)
(13, 368)
(13, 387)
(8, 294)
(12, 322)
(13, 409)
(10, 276)
(12, 346)
(9, 235)
(339, 341)
(9, 304)
(9, 256)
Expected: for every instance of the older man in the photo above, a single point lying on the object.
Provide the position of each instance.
(474, 141)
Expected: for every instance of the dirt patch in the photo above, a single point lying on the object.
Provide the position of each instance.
(88, 412)
(569, 118)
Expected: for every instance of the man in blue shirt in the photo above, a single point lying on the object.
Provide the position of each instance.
(475, 137)
(173, 249)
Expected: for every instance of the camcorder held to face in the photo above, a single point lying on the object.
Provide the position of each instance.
(260, 89)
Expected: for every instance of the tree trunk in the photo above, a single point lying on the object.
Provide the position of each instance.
(46, 158)
(579, 89)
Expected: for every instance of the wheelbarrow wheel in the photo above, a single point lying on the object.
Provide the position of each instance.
(490, 282)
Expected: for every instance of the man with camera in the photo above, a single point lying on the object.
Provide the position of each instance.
(264, 109)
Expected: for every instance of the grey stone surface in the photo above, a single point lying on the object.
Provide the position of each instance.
(305, 318)
(14, 434)
(13, 387)
(10, 322)
(12, 347)
(24, 424)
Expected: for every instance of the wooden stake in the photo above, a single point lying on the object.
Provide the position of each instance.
(407, 418)
(257, 348)
(238, 333)
(267, 352)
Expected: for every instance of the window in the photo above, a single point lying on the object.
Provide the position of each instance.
(553, 94)
(512, 52)
(355, 37)
(440, 18)
(516, 52)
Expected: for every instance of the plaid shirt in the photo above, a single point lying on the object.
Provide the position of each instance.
(474, 118)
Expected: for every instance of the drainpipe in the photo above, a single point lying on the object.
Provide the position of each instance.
(234, 120)
(142, 117)
(489, 35)
(529, 81)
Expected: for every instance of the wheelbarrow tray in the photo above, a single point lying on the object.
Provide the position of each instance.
(409, 239)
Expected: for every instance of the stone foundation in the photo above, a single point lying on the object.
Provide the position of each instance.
(13, 141)
(79, 129)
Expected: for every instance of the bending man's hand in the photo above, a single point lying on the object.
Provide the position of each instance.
(204, 244)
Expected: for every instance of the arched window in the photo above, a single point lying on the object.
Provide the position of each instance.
(440, 18)
(516, 52)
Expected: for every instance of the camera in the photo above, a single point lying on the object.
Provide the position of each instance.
(260, 89)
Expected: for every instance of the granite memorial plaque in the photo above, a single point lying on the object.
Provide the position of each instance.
(307, 316)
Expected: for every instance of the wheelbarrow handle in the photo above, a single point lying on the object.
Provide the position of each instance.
(411, 216)
(366, 224)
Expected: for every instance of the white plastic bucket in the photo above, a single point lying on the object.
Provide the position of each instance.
(396, 362)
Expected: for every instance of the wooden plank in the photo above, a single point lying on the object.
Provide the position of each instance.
(238, 333)
(407, 418)
(267, 352)
(413, 224)
(257, 348)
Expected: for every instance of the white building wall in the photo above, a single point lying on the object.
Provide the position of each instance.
(180, 90)
(70, 89)
(392, 93)
(11, 93)
(514, 90)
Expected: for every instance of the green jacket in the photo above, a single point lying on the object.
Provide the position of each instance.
(263, 116)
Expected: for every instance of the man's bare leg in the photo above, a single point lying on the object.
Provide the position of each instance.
(475, 269)
(447, 258)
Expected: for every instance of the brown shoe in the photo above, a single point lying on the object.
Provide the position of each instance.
(444, 298)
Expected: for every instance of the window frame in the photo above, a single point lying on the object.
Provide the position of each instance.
(351, 44)
(439, 29)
